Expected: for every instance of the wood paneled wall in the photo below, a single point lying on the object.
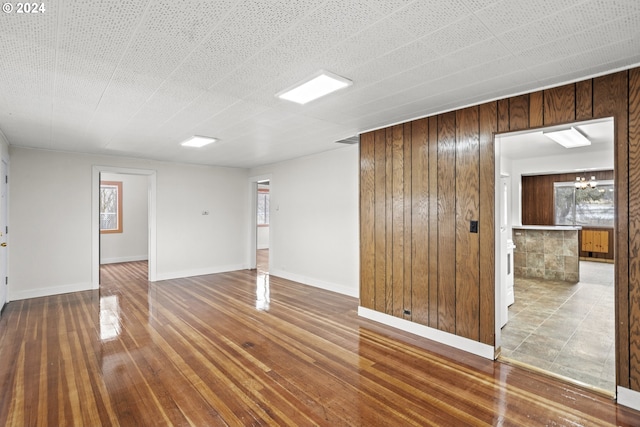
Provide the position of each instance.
(422, 182)
(421, 187)
(538, 194)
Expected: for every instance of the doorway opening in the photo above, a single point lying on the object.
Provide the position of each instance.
(262, 226)
(554, 233)
(124, 222)
(148, 194)
(260, 236)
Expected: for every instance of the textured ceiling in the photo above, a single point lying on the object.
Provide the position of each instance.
(135, 78)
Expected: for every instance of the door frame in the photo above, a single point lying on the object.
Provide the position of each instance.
(95, 218)
(497, 249)
(4, 224)
(253, 220)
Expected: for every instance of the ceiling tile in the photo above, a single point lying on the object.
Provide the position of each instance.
(506, 15)
(134, 78)
(425, 17)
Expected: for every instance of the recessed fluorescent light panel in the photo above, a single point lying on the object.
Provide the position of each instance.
(568, 138)
(320, 84)
(198, 141)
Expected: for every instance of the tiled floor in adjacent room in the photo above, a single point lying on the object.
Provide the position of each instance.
(566, 329)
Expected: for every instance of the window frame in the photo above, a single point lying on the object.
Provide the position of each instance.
(263, 192)
(118, 186)
(606, 182)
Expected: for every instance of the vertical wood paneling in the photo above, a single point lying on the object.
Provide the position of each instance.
(433, 221)
(519, 112)
(467, 210)
(447, 222)
(611, 98)
(380, 234)
(420, 221)
(537, 200)
(415, 186)
(503, 115)
(408, 255)
(535, 109)
(560, 105)
(388, 295)
(398, 220)
(584, 100)
(367, 221)
(634, 222)
(488, 126)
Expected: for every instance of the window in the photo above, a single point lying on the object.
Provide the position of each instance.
(110, 207)
(584, 206)
(263, 207)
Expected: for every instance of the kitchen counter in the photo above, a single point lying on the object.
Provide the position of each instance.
(547, 227)
(546, 252)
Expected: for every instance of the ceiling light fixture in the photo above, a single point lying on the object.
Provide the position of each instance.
(198, 141)
(320, 84)
(582, 183)
(568, 138)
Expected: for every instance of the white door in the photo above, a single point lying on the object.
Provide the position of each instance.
(3, 233)
(506, 249)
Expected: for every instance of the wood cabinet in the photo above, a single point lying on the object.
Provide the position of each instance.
(596, 243)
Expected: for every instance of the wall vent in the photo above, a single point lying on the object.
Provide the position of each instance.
(350, 140)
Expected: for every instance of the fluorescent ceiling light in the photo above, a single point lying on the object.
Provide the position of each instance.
(568, 138)
(198, 141)
(320, 84)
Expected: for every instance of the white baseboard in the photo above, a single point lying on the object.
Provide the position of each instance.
(461, 343)
(628, 398)
(124, 259)
(334, 287)
(200, 271)
(48, 291)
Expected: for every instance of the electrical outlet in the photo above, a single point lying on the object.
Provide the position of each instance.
(473, 228)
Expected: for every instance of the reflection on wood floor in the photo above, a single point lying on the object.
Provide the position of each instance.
(262, 260)
(201, 351)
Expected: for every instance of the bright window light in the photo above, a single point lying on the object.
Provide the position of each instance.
(568, 138)
(320, 84)
(198, 141)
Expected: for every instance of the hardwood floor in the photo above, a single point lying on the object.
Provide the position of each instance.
(262, 260)
(243, 348)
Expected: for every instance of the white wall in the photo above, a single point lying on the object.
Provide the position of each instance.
(50, 211)
(314, 226)
(133, 243)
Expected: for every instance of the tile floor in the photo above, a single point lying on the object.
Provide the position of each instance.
(566, 329)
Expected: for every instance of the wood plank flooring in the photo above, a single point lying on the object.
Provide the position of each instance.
(246, 349)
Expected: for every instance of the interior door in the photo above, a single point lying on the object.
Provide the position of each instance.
(506, 249)
(3, 233)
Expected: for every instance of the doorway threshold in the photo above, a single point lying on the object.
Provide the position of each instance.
(589, 387)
